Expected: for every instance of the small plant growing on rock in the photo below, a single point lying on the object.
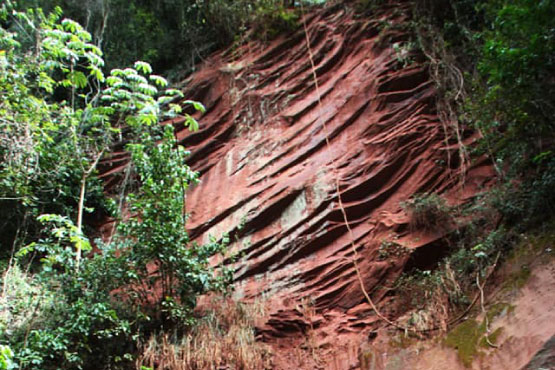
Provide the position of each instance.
(391, 249)
(403, 53)
(428, 212)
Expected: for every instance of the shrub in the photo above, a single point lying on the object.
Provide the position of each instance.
(267, 18)
(516, 61)
(69, 316)
(513, 106)
(529, 202)
(271, 18)
(431, 296)
(166, 269)
(391, 249)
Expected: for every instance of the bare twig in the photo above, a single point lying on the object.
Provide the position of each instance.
(82, 202)
(486, 319)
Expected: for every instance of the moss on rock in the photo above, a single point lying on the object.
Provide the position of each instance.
(464, 339)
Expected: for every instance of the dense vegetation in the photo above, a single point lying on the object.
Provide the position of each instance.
(172, 35)
(60, 115)
(71, 302)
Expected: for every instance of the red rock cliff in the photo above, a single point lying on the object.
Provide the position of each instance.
(269, 178)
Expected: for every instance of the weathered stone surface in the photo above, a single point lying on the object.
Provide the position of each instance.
(266, 166)
(269, 176)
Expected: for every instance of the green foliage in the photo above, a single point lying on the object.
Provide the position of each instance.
(266, 18)
(164, 266)
(271, 18)
(513, 106)
(51, 129)
(65, 317)
(49, 144)
(159, 34)
(146, 279)
(133, 94)
(516, 104)
(517, 61)
(483, 251)
(59, 245)
(59, 114)
(6, 356)
(173, 35)
(532, 201)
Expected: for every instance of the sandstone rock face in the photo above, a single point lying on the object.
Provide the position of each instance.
(273, 150)
(269, 176)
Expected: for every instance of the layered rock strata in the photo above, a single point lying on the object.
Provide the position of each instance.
(269, 176)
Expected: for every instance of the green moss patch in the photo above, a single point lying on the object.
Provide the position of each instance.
(526, 254)
(517, 279)
(464, 339)
(468, 337)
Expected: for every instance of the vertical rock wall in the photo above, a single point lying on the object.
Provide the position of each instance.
(268, 176)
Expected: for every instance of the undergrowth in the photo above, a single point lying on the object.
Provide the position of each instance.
(223, 337)
(434, 297)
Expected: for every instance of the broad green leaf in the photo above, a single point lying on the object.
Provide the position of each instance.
(112, 80)
(174, 92)
(143, 67)
(158, 80)
(135, 77)
(198, 106)
(176, 108)
(147, 89)
(97, 73)
(78, 79)
(191, 123)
